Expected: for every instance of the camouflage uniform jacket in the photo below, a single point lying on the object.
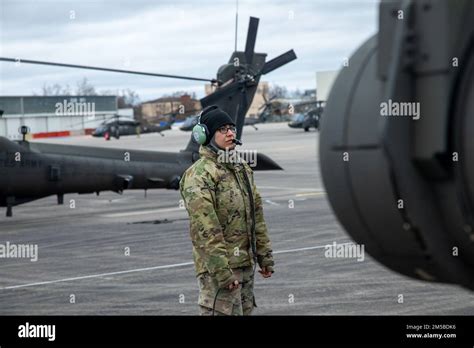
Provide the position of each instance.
(218, 203)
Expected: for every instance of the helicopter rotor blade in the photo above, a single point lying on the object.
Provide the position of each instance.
(277, 62)
(28, 61)
(251, 39)
(241, 112)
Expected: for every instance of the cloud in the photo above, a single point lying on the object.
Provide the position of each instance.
(172, 37)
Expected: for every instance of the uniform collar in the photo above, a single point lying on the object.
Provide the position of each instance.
(205, 151)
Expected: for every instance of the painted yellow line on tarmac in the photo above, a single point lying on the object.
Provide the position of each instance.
(311, 194)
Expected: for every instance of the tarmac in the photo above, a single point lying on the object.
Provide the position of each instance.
(131, 255)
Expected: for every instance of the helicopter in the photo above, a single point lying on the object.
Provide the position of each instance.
(404, 186)
(265, 111)
(30, 170)
(118, 126)
(308, 119)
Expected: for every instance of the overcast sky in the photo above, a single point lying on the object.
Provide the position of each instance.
(182, 37)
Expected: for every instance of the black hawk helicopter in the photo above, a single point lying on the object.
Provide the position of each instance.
(264, 111)
(30, 171)
(117, 126)
(402, 183)
(310, 118)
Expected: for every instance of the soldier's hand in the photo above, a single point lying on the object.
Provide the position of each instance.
(265, 272)
(234, 285)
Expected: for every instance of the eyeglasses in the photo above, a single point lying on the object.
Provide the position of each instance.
(224, 129)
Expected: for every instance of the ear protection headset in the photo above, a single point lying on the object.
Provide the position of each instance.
(200, 131)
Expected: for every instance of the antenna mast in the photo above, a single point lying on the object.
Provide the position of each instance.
(236, 22)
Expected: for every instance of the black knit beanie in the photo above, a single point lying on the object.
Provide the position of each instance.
(214, 119)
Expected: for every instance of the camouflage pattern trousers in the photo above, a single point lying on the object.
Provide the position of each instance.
(239, 301)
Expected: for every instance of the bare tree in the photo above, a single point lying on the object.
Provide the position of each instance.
(277, 91)
(128, 99)
(56, 89)
(85, 88)
(297, 94)
(177, 94)
(108, 92)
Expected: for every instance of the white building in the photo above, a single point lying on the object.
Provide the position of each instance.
(324, 82)
(54, 115)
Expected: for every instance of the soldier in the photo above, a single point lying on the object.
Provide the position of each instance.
(227, 227)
